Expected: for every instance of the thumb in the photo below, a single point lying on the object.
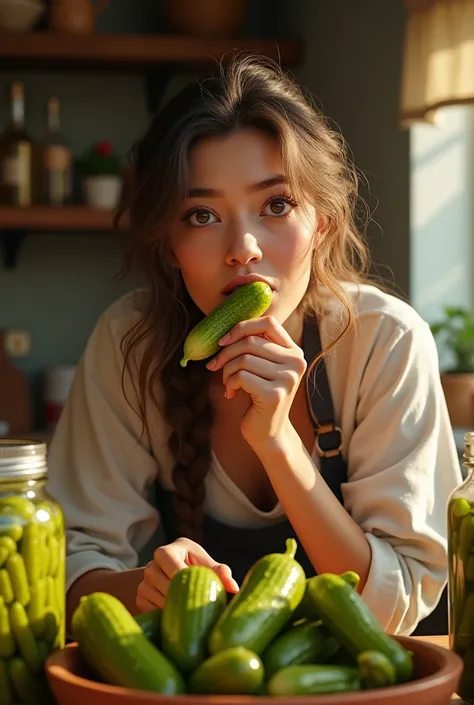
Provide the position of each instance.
(225, 574)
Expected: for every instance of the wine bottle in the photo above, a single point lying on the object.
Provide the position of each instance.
(56, 160)
(16, 154)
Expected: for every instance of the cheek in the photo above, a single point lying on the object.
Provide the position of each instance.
(195, 257)
(296, 250)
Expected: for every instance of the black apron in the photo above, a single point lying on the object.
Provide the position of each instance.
(241, 547)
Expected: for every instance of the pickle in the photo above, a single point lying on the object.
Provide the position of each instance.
(30, 552)
(17, 572)
(14, 531)
(30, 690)
(7, 642)
(24, 636)
(6, 691)
(37, 608)
(6, 587)
(17, 506)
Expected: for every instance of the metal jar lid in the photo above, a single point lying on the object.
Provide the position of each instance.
(22, 459)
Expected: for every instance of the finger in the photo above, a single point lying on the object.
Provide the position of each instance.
(266, 326)
(186, 552)
(254, 345)
(170, 559)
(225, 574)
(255, 386)
(256, 365)
(148, 594)
(156, 578)
(145, 605)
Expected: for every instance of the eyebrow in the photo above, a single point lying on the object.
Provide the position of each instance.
(200, 192)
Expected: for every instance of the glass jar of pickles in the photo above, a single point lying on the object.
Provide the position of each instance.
(32, 572)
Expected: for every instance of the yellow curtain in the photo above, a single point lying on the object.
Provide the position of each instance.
(438, 62)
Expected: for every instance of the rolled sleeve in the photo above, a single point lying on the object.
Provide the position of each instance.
(403, 465)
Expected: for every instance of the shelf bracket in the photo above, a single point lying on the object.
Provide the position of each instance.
(11, 243)
(156, 84)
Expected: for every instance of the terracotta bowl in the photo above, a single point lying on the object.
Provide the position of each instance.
(436, 677)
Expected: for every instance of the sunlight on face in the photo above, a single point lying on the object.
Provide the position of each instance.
(240, 218)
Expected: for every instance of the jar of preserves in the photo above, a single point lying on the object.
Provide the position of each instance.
(32, 571)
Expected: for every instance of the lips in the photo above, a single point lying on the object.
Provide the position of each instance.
(234, 283)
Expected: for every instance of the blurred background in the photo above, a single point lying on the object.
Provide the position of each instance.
(78, 82)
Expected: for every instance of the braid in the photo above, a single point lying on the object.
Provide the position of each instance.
(188, 411)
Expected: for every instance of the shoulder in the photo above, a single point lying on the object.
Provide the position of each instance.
(375, 305)
(125, 312)
(118, 320)
(383, 324)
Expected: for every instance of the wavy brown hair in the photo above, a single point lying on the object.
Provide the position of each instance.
(247, 92)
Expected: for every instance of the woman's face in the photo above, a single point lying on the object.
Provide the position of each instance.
(240, 220)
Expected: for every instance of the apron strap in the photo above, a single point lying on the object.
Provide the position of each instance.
(318, 394)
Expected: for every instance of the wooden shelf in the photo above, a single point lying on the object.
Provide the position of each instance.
(41, 218)
(131, 51)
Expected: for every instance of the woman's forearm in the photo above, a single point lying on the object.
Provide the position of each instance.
(121, 584)
(333, 541)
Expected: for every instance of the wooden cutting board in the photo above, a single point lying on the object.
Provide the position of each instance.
(15, 399)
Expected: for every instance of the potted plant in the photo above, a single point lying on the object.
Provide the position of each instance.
(102, 175)
(457, 332)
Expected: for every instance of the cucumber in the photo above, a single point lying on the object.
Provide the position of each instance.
(235, 671)
(314, 680)
(307, 609)
(270, 592)
(114, 645)
(196, 598)
(353, 624)
(376, 670)
(150, 624)
(248, 301)
(300, 644)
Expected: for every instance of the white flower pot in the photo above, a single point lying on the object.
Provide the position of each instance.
(102, 191)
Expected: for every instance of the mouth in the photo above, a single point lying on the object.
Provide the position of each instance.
(237, 282)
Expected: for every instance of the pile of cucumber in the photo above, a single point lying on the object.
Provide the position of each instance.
(281, 635)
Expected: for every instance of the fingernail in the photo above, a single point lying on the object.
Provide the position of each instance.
(210, 365)
(225, 339)
(235, 585)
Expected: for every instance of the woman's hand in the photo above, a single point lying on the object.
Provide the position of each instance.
(260, 358)
(167, 560)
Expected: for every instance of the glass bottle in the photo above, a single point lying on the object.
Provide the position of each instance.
(16, 154)
(461, 571)
(56, 160)
(32, 571)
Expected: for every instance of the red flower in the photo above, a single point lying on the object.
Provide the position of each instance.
(104, 148)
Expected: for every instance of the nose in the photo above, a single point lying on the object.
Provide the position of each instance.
(243, 246)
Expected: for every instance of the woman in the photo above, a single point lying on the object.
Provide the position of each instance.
(237, 179)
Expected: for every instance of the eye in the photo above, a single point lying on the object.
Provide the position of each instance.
(199, 217)
(280, 206)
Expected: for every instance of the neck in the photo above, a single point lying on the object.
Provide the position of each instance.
(294, 326)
